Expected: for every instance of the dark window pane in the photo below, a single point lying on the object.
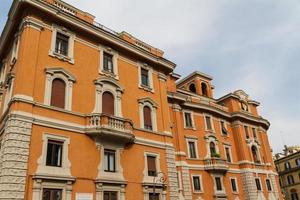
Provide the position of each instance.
(196, 181)
(228, 158)
(151, 162)
(223, 128)
(233, 185)
(246, 132)
(153, 196)
(147, 118)
(62, 44)
(58, 93)
(108, 62)
(54, 153)
(204, 89)
(192, 149)
(145, 77)
(52, 194)
(109, 160)
(208, 123)
(110, 195)
(212, 148)
(192, 88)
(188, 120)
(268, 182)
(258, 186)
(108, 103)
(218, 183)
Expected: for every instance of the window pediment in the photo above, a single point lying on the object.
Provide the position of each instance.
(148, 100)
(110, 81)
(62, 71)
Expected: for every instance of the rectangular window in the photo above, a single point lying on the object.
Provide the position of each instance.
(227, 151)
(110, 195)
(153, 196)
(109, 160)
(62, 44)
(258, 185)
(233, 185)
(145, 77)
(254, 133)
(151, 162)
(188, 120)
(218, 183)
(268, 183)
(223, 128)
(208, 123)
(197, 184)
(192, 149)
(52, 194)
(108, 62)
(54, 153)
(246, 132)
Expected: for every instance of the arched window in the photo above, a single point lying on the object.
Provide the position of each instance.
(147, 118)
(192, 88)
(108, 106)
(287, 165)
(204, 89)
(255, 154)
(290, 179)
(58, 93)
(212, 148)
(294, 195)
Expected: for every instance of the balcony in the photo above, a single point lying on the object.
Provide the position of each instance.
(110, 128)
(216, 165)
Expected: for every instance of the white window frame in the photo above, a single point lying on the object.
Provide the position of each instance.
(69, 79)
(200, 180)
(149, 179)
(261, 186)
(65, 169)
(58, 29)
(150, 87)
(270, 185)
(222, 184)
(236, 185)
(230, 153)
(195, 141)
(192, 118)
(153, 107)
(211, 122)
(115, 55)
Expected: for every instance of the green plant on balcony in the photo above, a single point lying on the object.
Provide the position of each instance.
(215, 155)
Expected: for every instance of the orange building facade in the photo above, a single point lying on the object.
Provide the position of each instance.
(91, 114)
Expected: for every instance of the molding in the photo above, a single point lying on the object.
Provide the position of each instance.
(32, 23)
(152, 143)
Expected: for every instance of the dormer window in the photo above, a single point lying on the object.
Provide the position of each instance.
(192, 88)
(204, 89)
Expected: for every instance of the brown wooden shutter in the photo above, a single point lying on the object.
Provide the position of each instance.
(151, 163)
(147, 117)
(108, 103)
(58, 93)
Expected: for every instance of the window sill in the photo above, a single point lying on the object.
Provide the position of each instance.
(109, 74)
(61, 57)
(197, 159)
(146, 88)
(190, 128)
(198, 191)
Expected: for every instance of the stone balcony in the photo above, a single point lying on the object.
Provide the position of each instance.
(110, 128)
(216, 165)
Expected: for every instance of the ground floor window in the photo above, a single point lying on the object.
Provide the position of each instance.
(52, 194)
(109, 195)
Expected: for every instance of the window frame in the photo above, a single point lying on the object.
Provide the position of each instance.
(211, 121)
(153, 107)
(258, 184)
(184, 112)
(230, 154)
(195, 142)
(52, 162)
(107, 154)
(147, 178)
(150, 87)
(52, 189)
(236, 191)
(246, 131)
(225, 127)
(115, 56)
(200, 183)
(269, 185)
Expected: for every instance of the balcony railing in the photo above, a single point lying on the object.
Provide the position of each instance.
(110, 127)
(216, 165)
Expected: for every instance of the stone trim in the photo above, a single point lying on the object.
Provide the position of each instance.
(187, 192)
(115, 55)
(172, 174)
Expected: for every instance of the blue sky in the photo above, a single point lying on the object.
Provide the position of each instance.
(250, 45)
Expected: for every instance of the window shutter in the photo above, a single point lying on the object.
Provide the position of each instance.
(58, 93)
(147, 117)
(108, 103)
(151, 163)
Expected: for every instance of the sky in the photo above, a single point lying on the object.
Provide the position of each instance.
(250, 45)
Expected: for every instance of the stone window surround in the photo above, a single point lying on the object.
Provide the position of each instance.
(236, 185)
(192, 118)
(58, 29)
(153, 106)
(261, 186)
(230, 152)
(105, 84)
(115, 54)
(68, 78)
(65, 169)
(149, 179)
(150, 88)
(195, 141)
(208, 139)
(201, 185)
(211, 122)
(215, 184)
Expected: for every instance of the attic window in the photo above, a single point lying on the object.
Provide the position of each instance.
(192, 88)
(204, 89)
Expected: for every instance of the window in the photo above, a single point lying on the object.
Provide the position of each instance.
(233, 184)
(228, 156)
(208, 123)
(294, 195)
(192, 88)
(109, 160)
(223, 128)
(297, 161)
(147, 118)
(188, 120)
(62, 44)
(110, 195)
(58, 93)
(151, 163)
(258, 185)
(54, 153)
(204, 89)
(244, 106)
(108, 103)
(254, 133)
(52, 194)
(218, 183)
(145, 77)
(290, 179)
(246, 132)
(192, 149)
(212, 148)
(255, 154)
(108, 62)
(196, 183)
(287, 165)
(268, 183)
(153, 196)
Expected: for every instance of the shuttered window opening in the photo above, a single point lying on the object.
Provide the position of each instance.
(108, 103)
(58, 93)
(52, 194)
(151, 162)
(147, 118)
